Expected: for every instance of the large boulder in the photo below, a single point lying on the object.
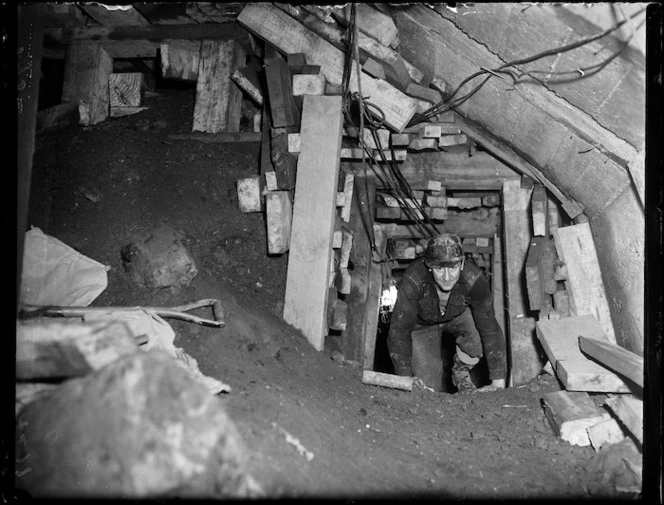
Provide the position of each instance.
(159, 260)
(140, 427)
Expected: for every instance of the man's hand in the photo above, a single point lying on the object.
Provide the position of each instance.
(419, 383)
(495, 385)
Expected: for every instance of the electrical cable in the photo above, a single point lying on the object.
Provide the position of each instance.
(445, 105)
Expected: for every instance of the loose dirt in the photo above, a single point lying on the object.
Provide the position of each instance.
(312, 428)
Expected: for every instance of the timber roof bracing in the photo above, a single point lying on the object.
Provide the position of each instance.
(581, 134)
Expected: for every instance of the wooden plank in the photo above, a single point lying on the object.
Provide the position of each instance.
(605, 432)
(153, 33)
(125, 90)
(54, 349)
(464, 224)
(539, 211)
(349, 183)
(373, 303)
(525, 360)
(570, 414)
(497, 282)
(560, 340)
(456, 171)
(218, 99)
(245, 84)
(308, 84)
(576, 248)
(279, 216)
(30, 24)
(386, 380)
(289, 36)
(282, 106)
(374, 23)
(87, 68)
(249, 194)
(612, 356)
(361, 224)
(313, 217)
(220, 138)
(284, 162)
(386, 55)
(374, 68)
(540, 283)
(180, 59)
(629, 410)
(452, 140)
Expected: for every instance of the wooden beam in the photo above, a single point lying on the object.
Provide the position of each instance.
(525, 362)
(538, 204)
(289, 36)
(153, 33)
(630, 412)
(463, 224)
(570, 414)
(282, 106)
(498, 282)
(373, 302)
(218, 99)
(314, 214)
(279, 217)
(180, 59)
(560, 340)
(502, 151)
(613, 356)
(30, 31)
(540, 282)
(220, 138)
(576, 248)
(125, 89)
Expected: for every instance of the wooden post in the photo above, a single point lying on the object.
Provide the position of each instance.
(497, 278)
(30, 35)
(539, 211)
(282, 106)
(279, 216)
(361, 224)
(180, 59)
(373, 302)
(314, 214)
(576, 248)
(218, 99)
(87, 68)
(525, 361)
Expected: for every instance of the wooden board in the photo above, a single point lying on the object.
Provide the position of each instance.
(570, 414)
(612, 356)
(539, 211)
(87, 68)
(282, 106)
(314, 214)
(540, 282)
(218, 99)
(125, 90)
(629, 410)
(576, 248)
(498, 282)
(560, 340)
(373, 304)
(180, 59)
(278, 216)
(290, 36)
(526, 362)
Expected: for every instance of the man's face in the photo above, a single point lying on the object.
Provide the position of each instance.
(447, 276)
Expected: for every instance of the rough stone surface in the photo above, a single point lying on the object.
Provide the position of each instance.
(138, 428)
(160, 260)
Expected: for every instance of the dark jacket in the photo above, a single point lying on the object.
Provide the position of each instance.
(417, 303)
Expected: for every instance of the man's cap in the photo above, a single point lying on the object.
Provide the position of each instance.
(445, 250)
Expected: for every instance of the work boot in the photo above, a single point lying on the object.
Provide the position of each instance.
(461, 376)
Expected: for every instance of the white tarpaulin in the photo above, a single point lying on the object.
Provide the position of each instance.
(55, 274)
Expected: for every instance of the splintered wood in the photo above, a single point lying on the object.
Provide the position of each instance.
(308, 271)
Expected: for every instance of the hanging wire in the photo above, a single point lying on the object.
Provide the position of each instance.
(447, 104)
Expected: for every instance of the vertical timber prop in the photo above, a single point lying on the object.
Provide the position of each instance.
(87, 69)
(218, 99)
(361, 224)
(314, 211)
(525, 361)
(373, 302)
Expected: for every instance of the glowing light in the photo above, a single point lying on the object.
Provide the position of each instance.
(389, 297)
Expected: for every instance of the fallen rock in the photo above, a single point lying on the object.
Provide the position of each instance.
(160, 260)
(138, 428)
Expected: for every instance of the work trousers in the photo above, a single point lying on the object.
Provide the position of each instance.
(427, 359)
